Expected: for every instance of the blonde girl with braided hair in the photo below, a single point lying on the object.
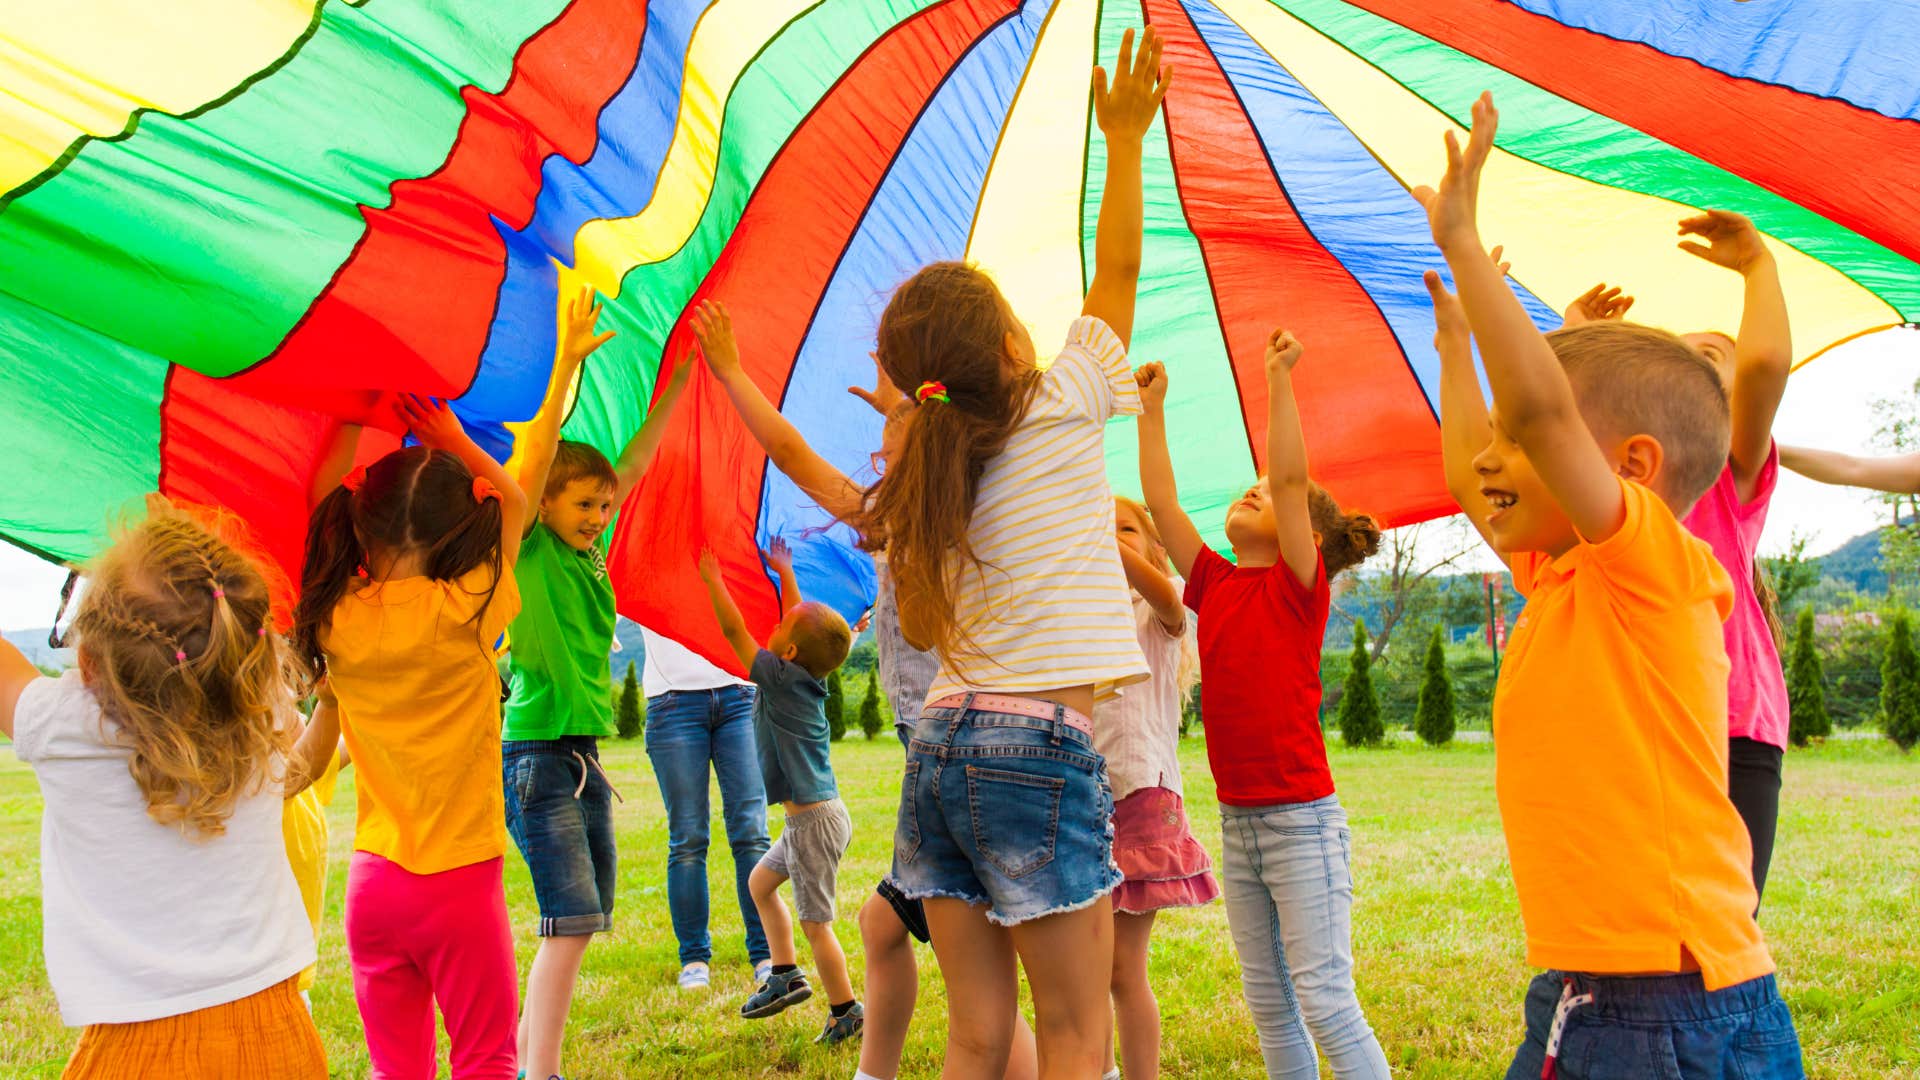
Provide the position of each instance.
(406, 589)
(173, 928)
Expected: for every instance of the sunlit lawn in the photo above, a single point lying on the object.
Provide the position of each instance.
(1437, 935)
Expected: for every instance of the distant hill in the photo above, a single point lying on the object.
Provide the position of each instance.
(1857, 563)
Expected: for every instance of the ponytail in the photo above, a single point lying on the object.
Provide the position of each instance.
(1346, 540)
(334, 558)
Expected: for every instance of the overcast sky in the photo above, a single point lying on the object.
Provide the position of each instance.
(1828, 405)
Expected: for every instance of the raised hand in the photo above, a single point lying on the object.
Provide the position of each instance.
(714, 327)
(1453, 209)
(431, 421)
(1501, 264)
(1597, 304)
(1450, 327)
(779, 556)
(1151, 378)
(709, 566)
(884, 397)
(579, 315)
(1126, 109)
(1731, 239)
(1283, 352)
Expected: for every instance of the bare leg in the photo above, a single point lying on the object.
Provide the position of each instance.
(983, 988)
(1023, 1063)
(543, 1016)
(1138, 1014)
(764, 886)
(828, 957)
(1070, 1011)
(893, 982)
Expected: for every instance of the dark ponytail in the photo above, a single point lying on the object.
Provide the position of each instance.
(334, 557)
(1346, 540)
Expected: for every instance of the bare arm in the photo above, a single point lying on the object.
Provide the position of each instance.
(1536, 402)
(732, 626)
(578, 315)
(1464, 429)
(316, 746)
(434, 424)
(1155, 588)
(1763, 353)
(334, 463)
(1899, 475)
(640, 449)
(780, 557)
(1182, 540)
(1287, 480)
(1124, 113)
(16, 671)
(785, 446)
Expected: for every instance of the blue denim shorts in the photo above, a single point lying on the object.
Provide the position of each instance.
(1012, 813)
(1659, 1026)
(560, 813)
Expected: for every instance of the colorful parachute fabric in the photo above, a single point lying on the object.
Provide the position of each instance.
(228, 224)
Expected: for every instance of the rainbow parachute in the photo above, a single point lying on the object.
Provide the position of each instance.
(227, 224)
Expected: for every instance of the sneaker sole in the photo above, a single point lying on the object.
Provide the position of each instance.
(779, 1004)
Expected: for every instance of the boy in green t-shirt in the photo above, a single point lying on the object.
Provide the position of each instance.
(559, 803)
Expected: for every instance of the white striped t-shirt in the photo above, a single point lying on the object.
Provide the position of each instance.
(1048, 605)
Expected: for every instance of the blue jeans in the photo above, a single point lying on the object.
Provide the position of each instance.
(1289, 893)
(560, 813)
(1659, 1027)
(686, 731)
(1009, 812)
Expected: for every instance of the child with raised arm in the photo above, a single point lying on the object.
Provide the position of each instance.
(559, 800)
(796, 762)
(1631, 864)
(889, 920)
(173, 928)
(406, 587)
(1285, 857)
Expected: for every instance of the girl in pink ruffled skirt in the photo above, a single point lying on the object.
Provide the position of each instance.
(1139, 735)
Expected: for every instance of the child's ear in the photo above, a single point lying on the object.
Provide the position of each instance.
(1640, 460)
(790, 652)
(1317, 542)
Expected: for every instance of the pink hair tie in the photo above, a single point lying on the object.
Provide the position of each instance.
(262, 632)
(355, 477)
(483, 490)
(218, 592)
(179, 656)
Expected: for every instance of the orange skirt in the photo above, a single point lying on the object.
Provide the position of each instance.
(265, 1036)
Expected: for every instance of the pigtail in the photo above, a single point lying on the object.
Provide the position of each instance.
(1763, 591)
(334, 558)
(473, 541)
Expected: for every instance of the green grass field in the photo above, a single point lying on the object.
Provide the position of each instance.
(1437, 932)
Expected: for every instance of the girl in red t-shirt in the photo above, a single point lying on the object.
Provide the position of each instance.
(1289, 887)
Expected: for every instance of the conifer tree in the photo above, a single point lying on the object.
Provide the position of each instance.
(836, 707)
(1900, 685)
(1434, 720)
(1360, 723)
(870, 719)
(1806, 686)
(630, 716)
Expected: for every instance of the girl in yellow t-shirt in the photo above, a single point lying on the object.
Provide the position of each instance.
(405, 592)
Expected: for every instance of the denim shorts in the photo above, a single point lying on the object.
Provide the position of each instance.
(1659, 1026)
(1012, 813)
(560, 813)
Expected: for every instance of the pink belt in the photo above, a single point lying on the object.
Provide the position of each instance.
(1016, 706)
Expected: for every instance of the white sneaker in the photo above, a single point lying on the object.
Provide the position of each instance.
(694, 976)
(761, 972)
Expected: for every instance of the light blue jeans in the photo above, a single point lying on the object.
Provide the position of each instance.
(1289, 892)
(691, 735)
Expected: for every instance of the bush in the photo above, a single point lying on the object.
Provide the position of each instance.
(836, 707)
(870, 719)
(1850, 659)
(1433, 719)
(630, 715)
(1900, 685)
(1360, 723)
(1190, 711)
(1806, 690)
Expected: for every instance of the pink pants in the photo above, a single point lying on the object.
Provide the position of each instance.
(418, 939)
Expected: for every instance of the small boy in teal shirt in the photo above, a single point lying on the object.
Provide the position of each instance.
(559, 802)
(796, 761)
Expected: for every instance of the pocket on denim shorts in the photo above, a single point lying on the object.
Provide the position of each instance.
(1770, 1049)
(1016, 818)
(906, 830)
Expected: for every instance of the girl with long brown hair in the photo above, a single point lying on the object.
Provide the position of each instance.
(175, 931)
(406, 589)
(995, 516)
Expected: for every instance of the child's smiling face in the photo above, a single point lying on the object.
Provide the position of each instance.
(1522, 515)
(579, 512)
(1250, 522)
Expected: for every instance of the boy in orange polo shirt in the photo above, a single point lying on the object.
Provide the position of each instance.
(1632, 866)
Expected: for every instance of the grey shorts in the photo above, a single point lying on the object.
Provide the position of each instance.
(808, 852)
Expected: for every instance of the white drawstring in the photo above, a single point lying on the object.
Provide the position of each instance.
(1569, 1001)
(582, 785)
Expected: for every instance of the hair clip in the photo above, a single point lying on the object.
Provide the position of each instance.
(483, 490)
(932, 390)
(355, 477)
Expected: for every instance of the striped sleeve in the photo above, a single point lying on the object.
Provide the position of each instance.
(1091, 373)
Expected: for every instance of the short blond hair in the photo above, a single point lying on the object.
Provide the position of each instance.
(176, 641)
(821, 638)
(1637, 380)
